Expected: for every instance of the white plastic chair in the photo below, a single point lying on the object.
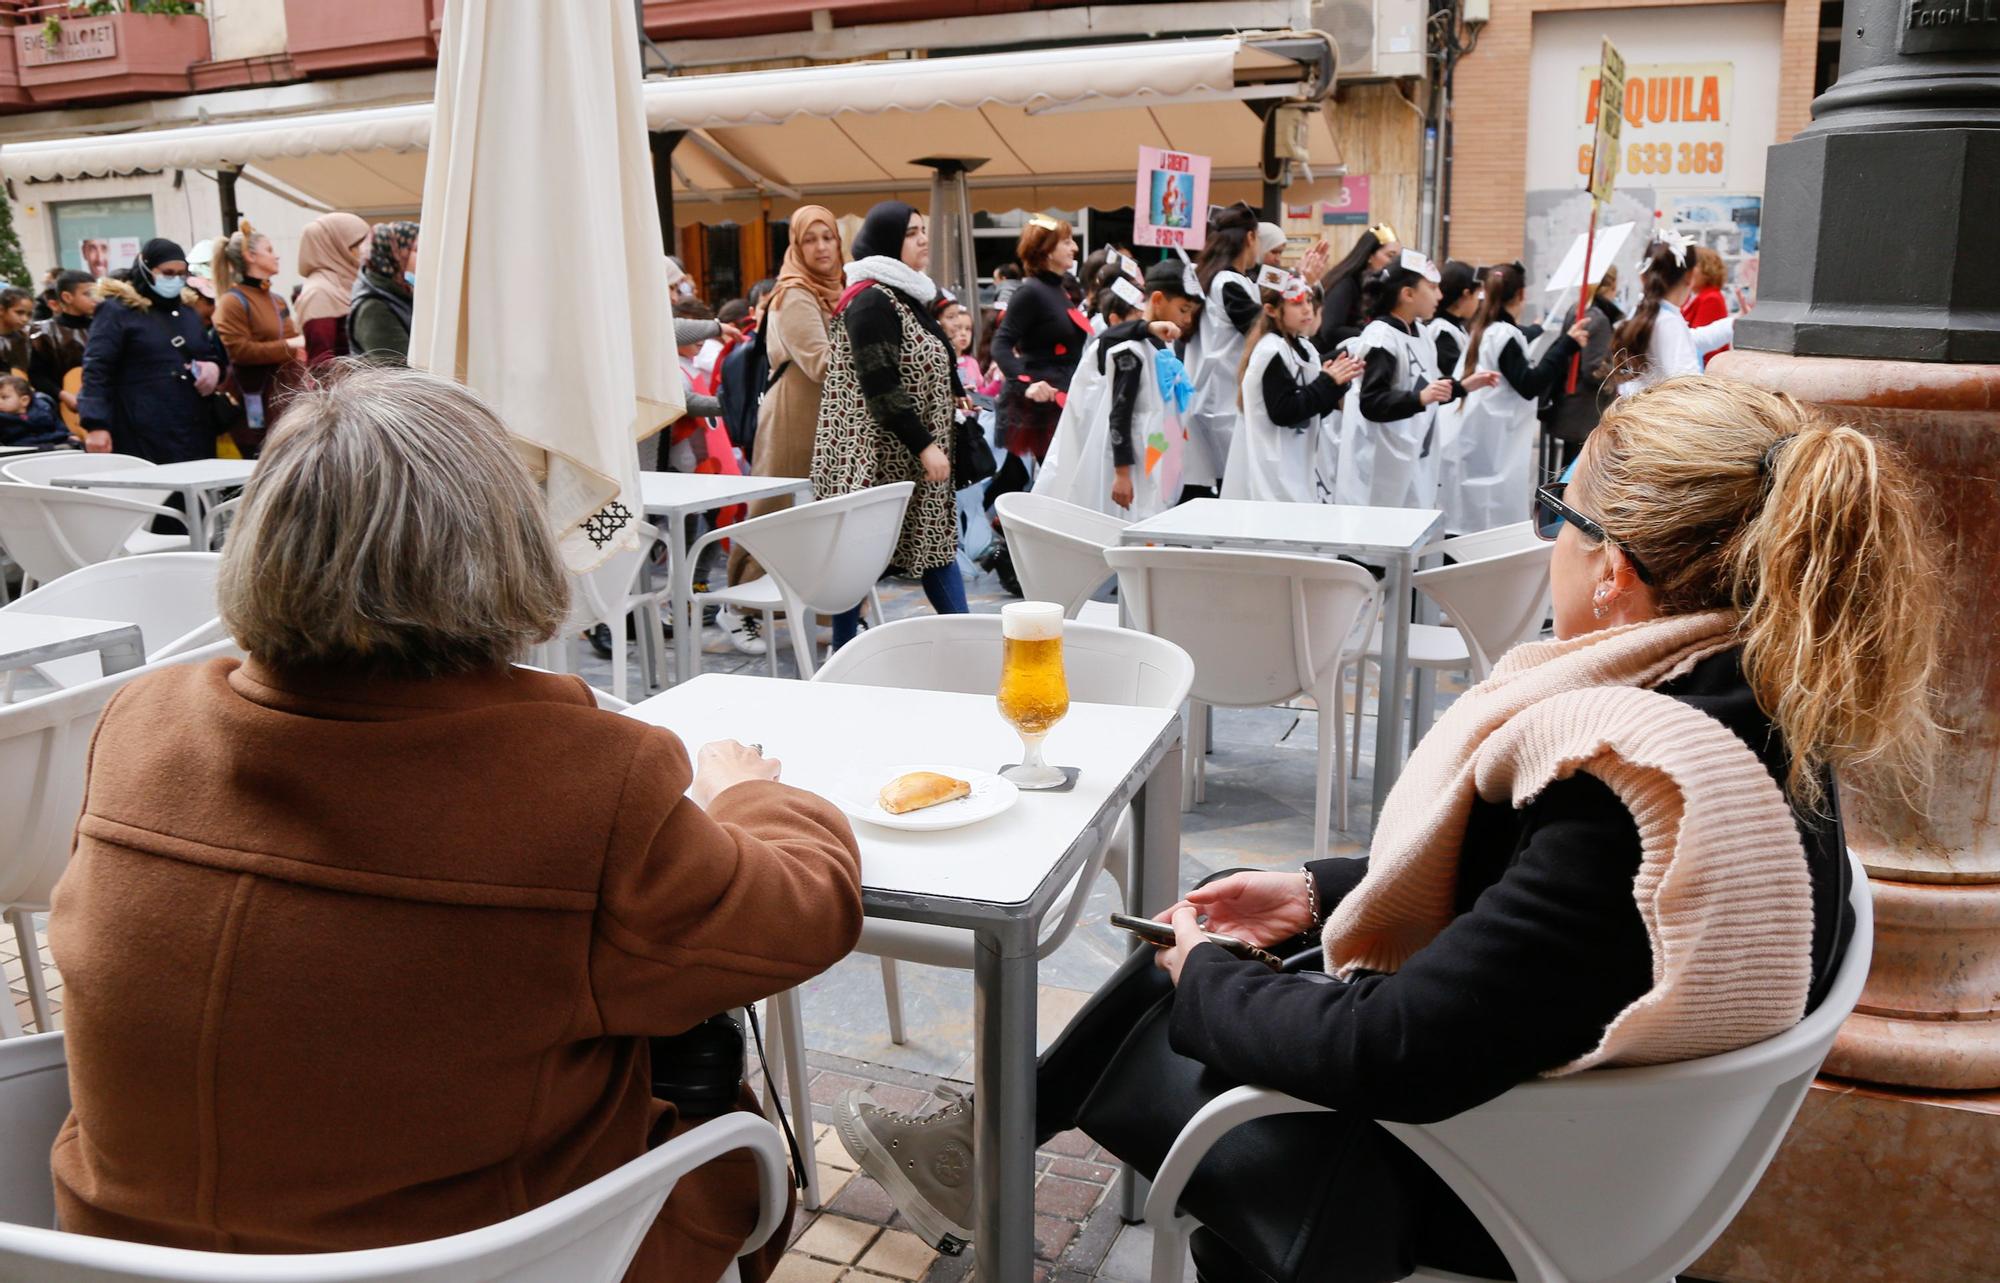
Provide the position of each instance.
(612, 593)
(1263, 628)
(51, 530)
(44, 752)
(962, 653)
(42, 469)
(1058, 551)
(589, 1235)
(1608, 1176)
(169, 595)
(819, 558)
(1494, 600)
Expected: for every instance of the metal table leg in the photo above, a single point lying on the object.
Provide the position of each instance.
(1151, 884)
(1003, 980)
(121, 651)
(681, 576)
(1394, 676)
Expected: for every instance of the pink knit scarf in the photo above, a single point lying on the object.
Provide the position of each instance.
(1722, 887)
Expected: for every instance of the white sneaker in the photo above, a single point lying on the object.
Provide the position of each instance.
(745, 632)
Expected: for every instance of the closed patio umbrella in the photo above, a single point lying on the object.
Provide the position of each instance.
(541, 278)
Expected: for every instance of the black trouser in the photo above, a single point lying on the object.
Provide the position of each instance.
(1374, 1209)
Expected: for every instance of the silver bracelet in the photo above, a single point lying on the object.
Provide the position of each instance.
(1312, 899)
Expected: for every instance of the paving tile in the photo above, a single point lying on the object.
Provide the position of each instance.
(832, 1180)
(795, 1268)
(1131, 1258)
(899, 1254)
(1052, 1235)
(1072, 1200)
(1080, 1170)
(863, 1200)
(828, 1086)
(1071, 1144)
(836, 1238)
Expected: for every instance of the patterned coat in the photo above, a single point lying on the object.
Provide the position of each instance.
(891, 390)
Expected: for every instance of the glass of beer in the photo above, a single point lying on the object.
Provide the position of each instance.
(1034, 695)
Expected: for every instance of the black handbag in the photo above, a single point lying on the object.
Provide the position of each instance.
(972, 458)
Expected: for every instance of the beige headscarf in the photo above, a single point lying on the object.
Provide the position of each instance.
(793, 274)
(330, 252)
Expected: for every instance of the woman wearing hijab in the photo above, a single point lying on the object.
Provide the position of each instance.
(888, 406)
(149, 366)
(795, 347)
(378, 325)
(330, 251)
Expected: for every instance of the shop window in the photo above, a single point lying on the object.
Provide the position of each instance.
(100, 236)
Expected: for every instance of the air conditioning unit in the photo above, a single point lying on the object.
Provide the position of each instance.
(1379, 39)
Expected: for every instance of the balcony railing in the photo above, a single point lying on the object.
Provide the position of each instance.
(102, 49)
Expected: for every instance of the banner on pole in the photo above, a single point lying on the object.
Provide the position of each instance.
(1610, 115)
(1170, 207)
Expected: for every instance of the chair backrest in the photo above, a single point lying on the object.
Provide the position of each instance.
(1627, 1175)
(1261, 627)
(34, 1100)
(44, 749)
(1496, 602)
(42, 469)
(1102, 665)
(1058, 548)
(599, 594)
(1488, 543)
(828, 554)
(589, 1235)
(52, 531)
(169, 595)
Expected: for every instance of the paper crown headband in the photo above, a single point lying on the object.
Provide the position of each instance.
(1044, 222)
(1283, 283)
(1383, 233)
(1190, 283)
(1676, 243)
(1125, 289)
(1412, 261)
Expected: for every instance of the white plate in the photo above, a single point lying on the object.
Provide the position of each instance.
(860, 797)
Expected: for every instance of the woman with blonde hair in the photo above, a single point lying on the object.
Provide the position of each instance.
(330, 252)
(380, 794)
(255, 326)
(1622, 848)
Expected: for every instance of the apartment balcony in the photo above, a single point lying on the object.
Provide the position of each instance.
(58, 58)
(361, 35)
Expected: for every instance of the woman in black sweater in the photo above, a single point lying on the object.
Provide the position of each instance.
(1692, 501)
(888, 405)
(1039, 342)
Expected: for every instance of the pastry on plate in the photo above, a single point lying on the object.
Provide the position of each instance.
(919, 789)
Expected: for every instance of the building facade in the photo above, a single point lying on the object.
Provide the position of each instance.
(1710, 85)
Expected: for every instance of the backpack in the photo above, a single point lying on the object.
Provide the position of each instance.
(743, 376)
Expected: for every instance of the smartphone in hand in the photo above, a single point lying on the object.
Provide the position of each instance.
(1161, 935)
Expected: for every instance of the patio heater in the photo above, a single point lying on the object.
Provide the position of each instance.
(953, 264)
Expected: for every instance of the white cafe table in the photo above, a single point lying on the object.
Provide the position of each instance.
(1390, 537)
(27, 640)
(675, 496)
(196, 479)
(998, 878)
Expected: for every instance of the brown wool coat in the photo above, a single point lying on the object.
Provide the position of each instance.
(355, 962)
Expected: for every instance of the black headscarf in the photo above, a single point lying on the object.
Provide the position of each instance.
(153, 253)
(882, 232)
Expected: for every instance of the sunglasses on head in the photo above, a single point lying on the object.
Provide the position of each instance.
(1550, 512)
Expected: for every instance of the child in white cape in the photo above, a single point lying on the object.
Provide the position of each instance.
(1282, 448)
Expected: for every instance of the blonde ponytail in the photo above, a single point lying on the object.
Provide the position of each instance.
(1815, 533)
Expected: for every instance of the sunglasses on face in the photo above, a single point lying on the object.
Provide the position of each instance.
(1550, 512)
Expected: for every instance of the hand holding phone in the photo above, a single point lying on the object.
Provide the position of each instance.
(1161, 935)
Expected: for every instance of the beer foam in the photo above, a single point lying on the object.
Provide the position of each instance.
(1031, 621)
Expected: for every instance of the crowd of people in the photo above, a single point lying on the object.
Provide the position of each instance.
(1745, 604)
(188, 354)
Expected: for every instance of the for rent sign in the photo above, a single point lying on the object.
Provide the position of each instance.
(1676, 119)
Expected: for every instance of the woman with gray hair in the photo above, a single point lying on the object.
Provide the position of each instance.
(366, 938)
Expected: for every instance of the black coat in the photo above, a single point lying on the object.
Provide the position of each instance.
(1547, 949)
(136, 380)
